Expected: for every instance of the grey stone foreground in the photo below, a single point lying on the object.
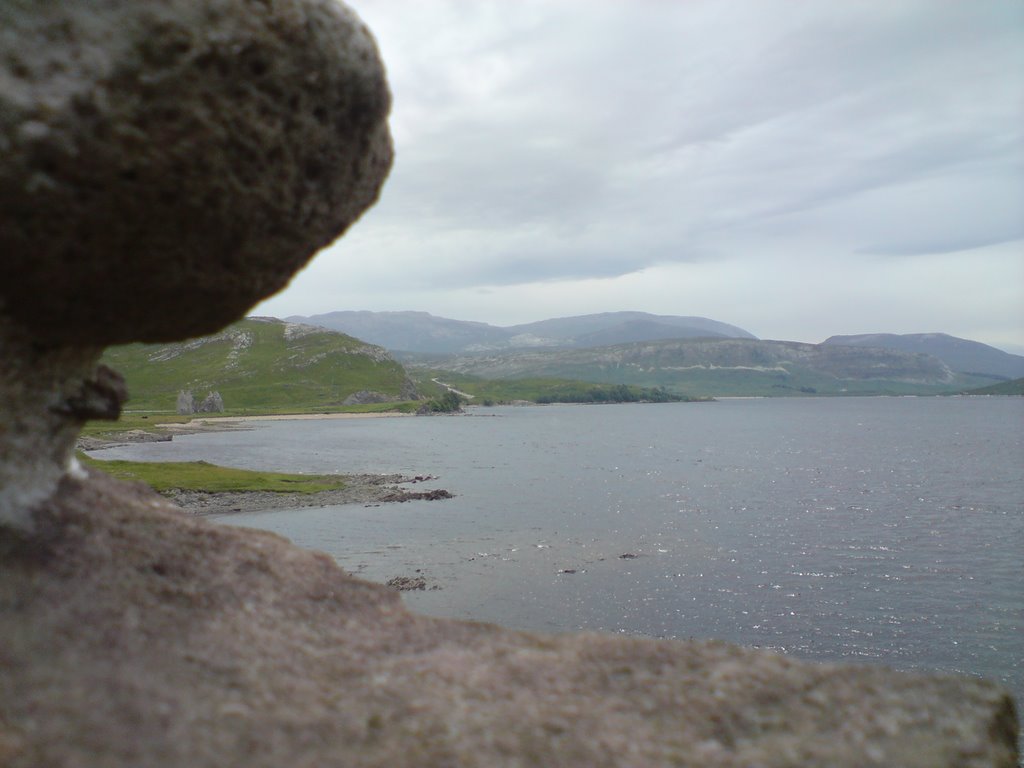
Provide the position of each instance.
(132, 634)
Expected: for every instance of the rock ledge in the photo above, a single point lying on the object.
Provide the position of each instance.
(132, 634)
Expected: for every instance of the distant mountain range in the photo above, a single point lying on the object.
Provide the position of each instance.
(412, 335)
(721, 367)
(961, 355)
(423, 333)
(265, 365)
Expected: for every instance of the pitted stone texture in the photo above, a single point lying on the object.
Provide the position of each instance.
(164, 164)
(131, 635)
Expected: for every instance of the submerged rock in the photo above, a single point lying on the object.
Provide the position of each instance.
(407, 583)
(132, 634)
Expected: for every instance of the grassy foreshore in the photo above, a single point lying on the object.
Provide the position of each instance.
(164, 476)
(203, 488)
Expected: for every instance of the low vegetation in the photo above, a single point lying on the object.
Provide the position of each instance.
(539, 390)
(449, 402)
(617, 393)
(202, 476)
(1015, 387)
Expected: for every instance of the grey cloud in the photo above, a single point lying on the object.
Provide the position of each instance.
(938, 246)
(541, 141)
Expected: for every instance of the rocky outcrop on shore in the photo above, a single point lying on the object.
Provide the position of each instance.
(359, 489)
(131, 634)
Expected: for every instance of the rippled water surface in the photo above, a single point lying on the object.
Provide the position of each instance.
(862, 529)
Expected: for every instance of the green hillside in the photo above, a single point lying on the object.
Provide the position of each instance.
(260, 365)
(498, 391)
(1015, 387)
(726, 367)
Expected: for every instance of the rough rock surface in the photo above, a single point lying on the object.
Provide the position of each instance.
(164, 164)
(169, 641)
(186, 403)
(212, 403)
(168, 163)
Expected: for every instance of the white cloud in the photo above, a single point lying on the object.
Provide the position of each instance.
(696, 158)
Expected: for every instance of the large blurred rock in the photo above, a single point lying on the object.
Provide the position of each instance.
(165, 164)
(131, 635)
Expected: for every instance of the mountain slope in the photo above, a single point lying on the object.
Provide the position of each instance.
(1014, 387)
(609, 328)
(260, 365)
(423, 333)
(729, 367)
(410, 331)
(961, 355)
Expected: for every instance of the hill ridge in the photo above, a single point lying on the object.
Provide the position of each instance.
(262, 364)
(962, 355)
(424, 333)
(722, 367)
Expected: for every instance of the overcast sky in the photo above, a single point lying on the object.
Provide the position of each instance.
(799, 169)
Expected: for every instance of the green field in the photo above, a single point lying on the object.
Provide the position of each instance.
(201, 476)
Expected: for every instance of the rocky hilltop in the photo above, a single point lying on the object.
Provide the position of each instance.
(425, 334)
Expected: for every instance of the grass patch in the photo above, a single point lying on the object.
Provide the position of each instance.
(203, 476)
(128, 421)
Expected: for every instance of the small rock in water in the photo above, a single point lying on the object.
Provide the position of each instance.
(407, 583)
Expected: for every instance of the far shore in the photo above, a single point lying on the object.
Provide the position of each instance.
(369, 490)
(284, 417)
(159, 431)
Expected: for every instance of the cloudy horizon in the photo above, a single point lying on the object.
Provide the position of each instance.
(798, 170)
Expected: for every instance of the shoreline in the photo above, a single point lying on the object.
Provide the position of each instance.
(365, 489)
(164, 431)
(286, 417)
